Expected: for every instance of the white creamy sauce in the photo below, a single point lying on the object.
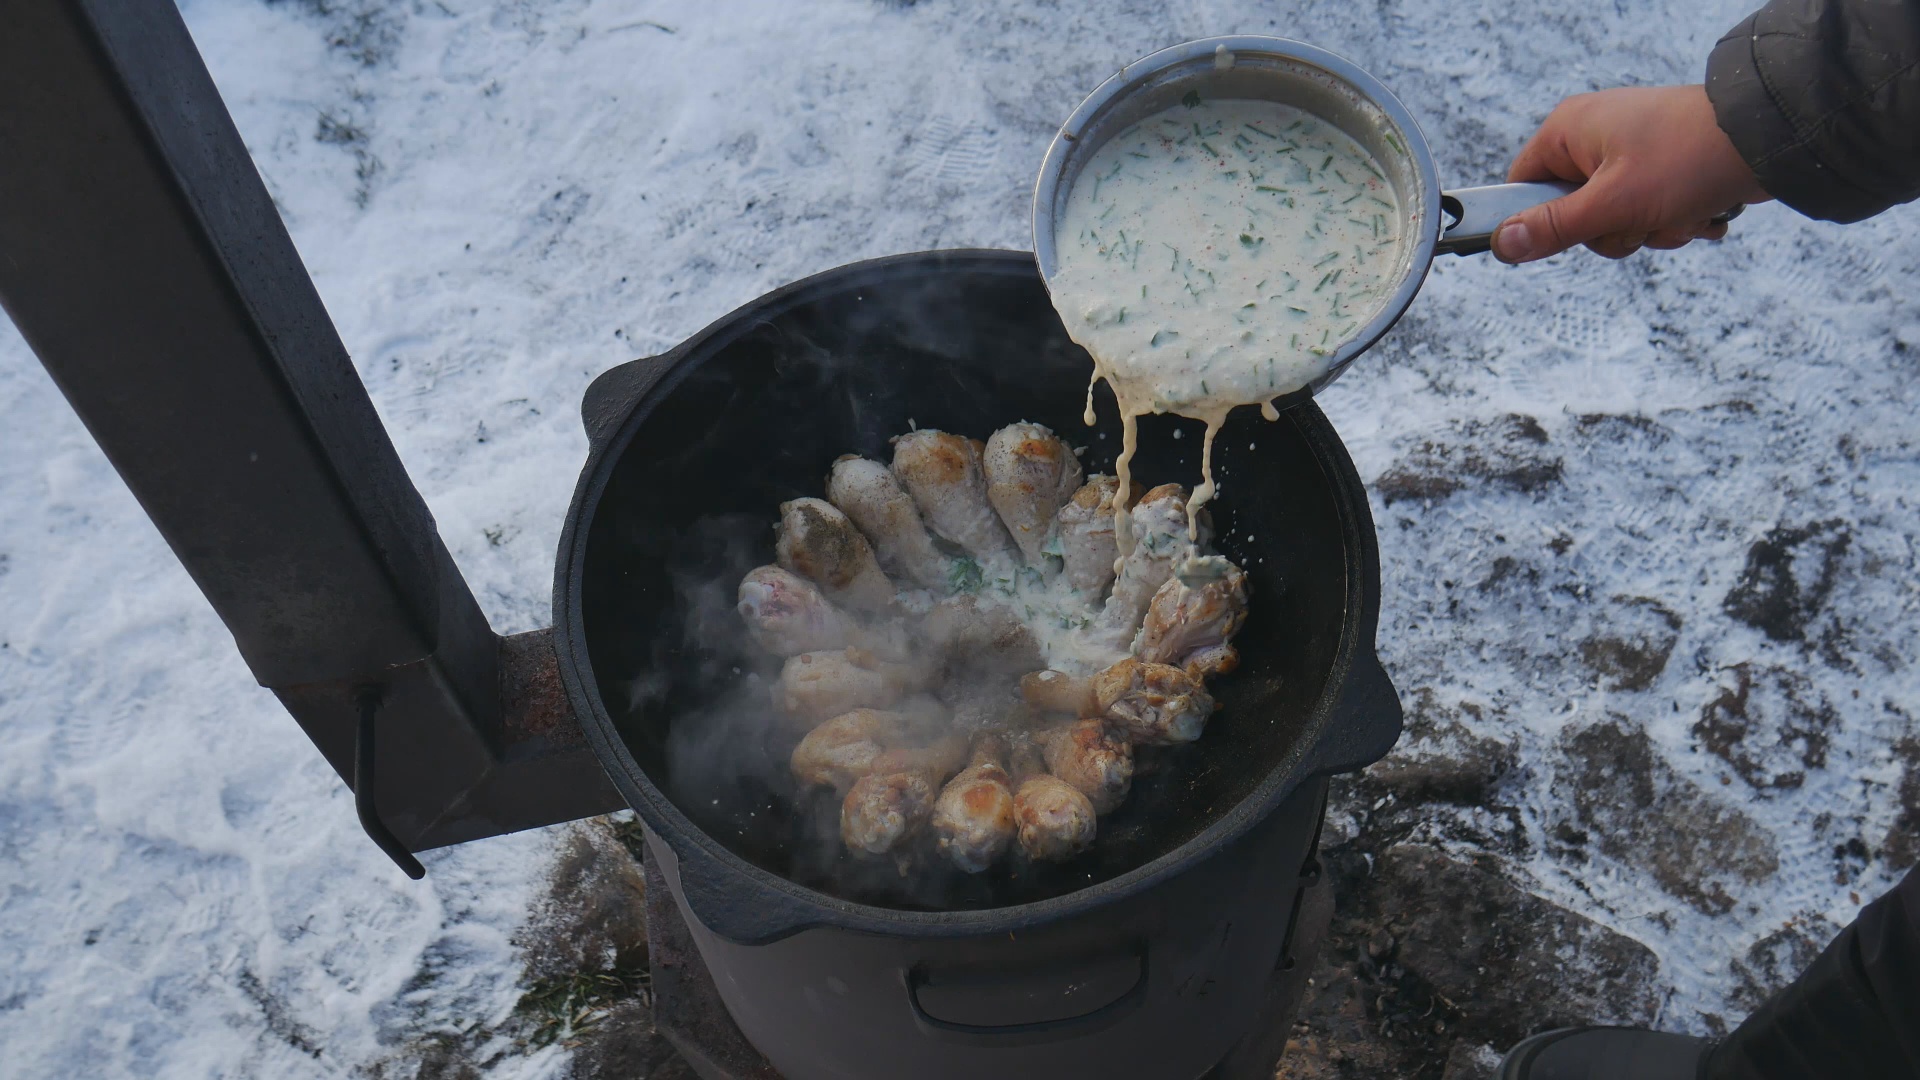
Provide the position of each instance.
(1058, 616)
(1218, 254)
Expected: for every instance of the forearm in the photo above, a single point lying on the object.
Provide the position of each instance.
(1822, 99)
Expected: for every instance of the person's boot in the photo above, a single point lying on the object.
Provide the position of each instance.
(1607, 1053)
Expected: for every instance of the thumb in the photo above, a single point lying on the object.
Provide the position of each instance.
(1593, 211)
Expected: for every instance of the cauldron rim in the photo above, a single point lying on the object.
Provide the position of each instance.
(619, 403)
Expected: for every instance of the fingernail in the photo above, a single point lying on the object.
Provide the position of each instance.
(1512, 242)
(1635, 242)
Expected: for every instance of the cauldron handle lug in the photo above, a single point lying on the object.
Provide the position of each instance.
(1366, 721)
(612, 394)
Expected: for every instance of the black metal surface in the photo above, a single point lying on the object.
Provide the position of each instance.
(365, 758)
(1213, 945)
(143, 261)
(687, 1009)
(677, 499)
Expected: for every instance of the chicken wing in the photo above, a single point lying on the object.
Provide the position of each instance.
(1094, 759)
(815, 686)
(944, 475)
(868, 492)
(1159, 522)
(818, 542)
(1152, 703)
(1085, 526)
(786, 614)
(1197, 610)
(973, 819)
(1030, 474)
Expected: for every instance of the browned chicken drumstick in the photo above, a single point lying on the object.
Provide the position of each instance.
(1159, 527)
(871, 495)
(1094, 759)
(973, 819)
(1087, 543)
(853, 744)
(944, 475)
(818, 542)
(1030, 474)
(895, 798)
(881, 810)
(786, 614)
(1052, 820)
(816, 686)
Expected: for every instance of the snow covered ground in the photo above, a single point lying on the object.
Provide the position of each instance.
(1573, 462)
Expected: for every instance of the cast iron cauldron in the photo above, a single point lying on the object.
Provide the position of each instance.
(1145, 957)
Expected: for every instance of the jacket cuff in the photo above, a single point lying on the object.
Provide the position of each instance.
(1785, 159)
(1773, 91)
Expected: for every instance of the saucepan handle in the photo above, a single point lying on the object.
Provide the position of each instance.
(1476, 211)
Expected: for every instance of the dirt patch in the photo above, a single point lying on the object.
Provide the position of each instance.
(1635, 808)
(1505, 453)
(586, 983)
(1631, 654)
(1770, 726)
(1790, 574)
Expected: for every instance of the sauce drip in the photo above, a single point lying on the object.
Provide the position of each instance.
(1218, 254)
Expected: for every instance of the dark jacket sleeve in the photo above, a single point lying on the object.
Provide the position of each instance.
(1822, 98)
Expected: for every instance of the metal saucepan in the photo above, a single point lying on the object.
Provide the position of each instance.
(1436, 222)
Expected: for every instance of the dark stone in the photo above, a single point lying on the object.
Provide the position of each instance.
(1509, 962)
(1502, 453)
(1434, 961)
(1789, 575)
(1770, 726)
(1638, 810)
(1438, 759)
(1633, 652)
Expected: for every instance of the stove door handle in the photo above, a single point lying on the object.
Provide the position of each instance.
(995, 992)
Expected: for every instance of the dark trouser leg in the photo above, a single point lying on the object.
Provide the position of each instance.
(1853, 1014)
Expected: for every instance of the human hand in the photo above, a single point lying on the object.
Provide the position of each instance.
(1656, 169)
